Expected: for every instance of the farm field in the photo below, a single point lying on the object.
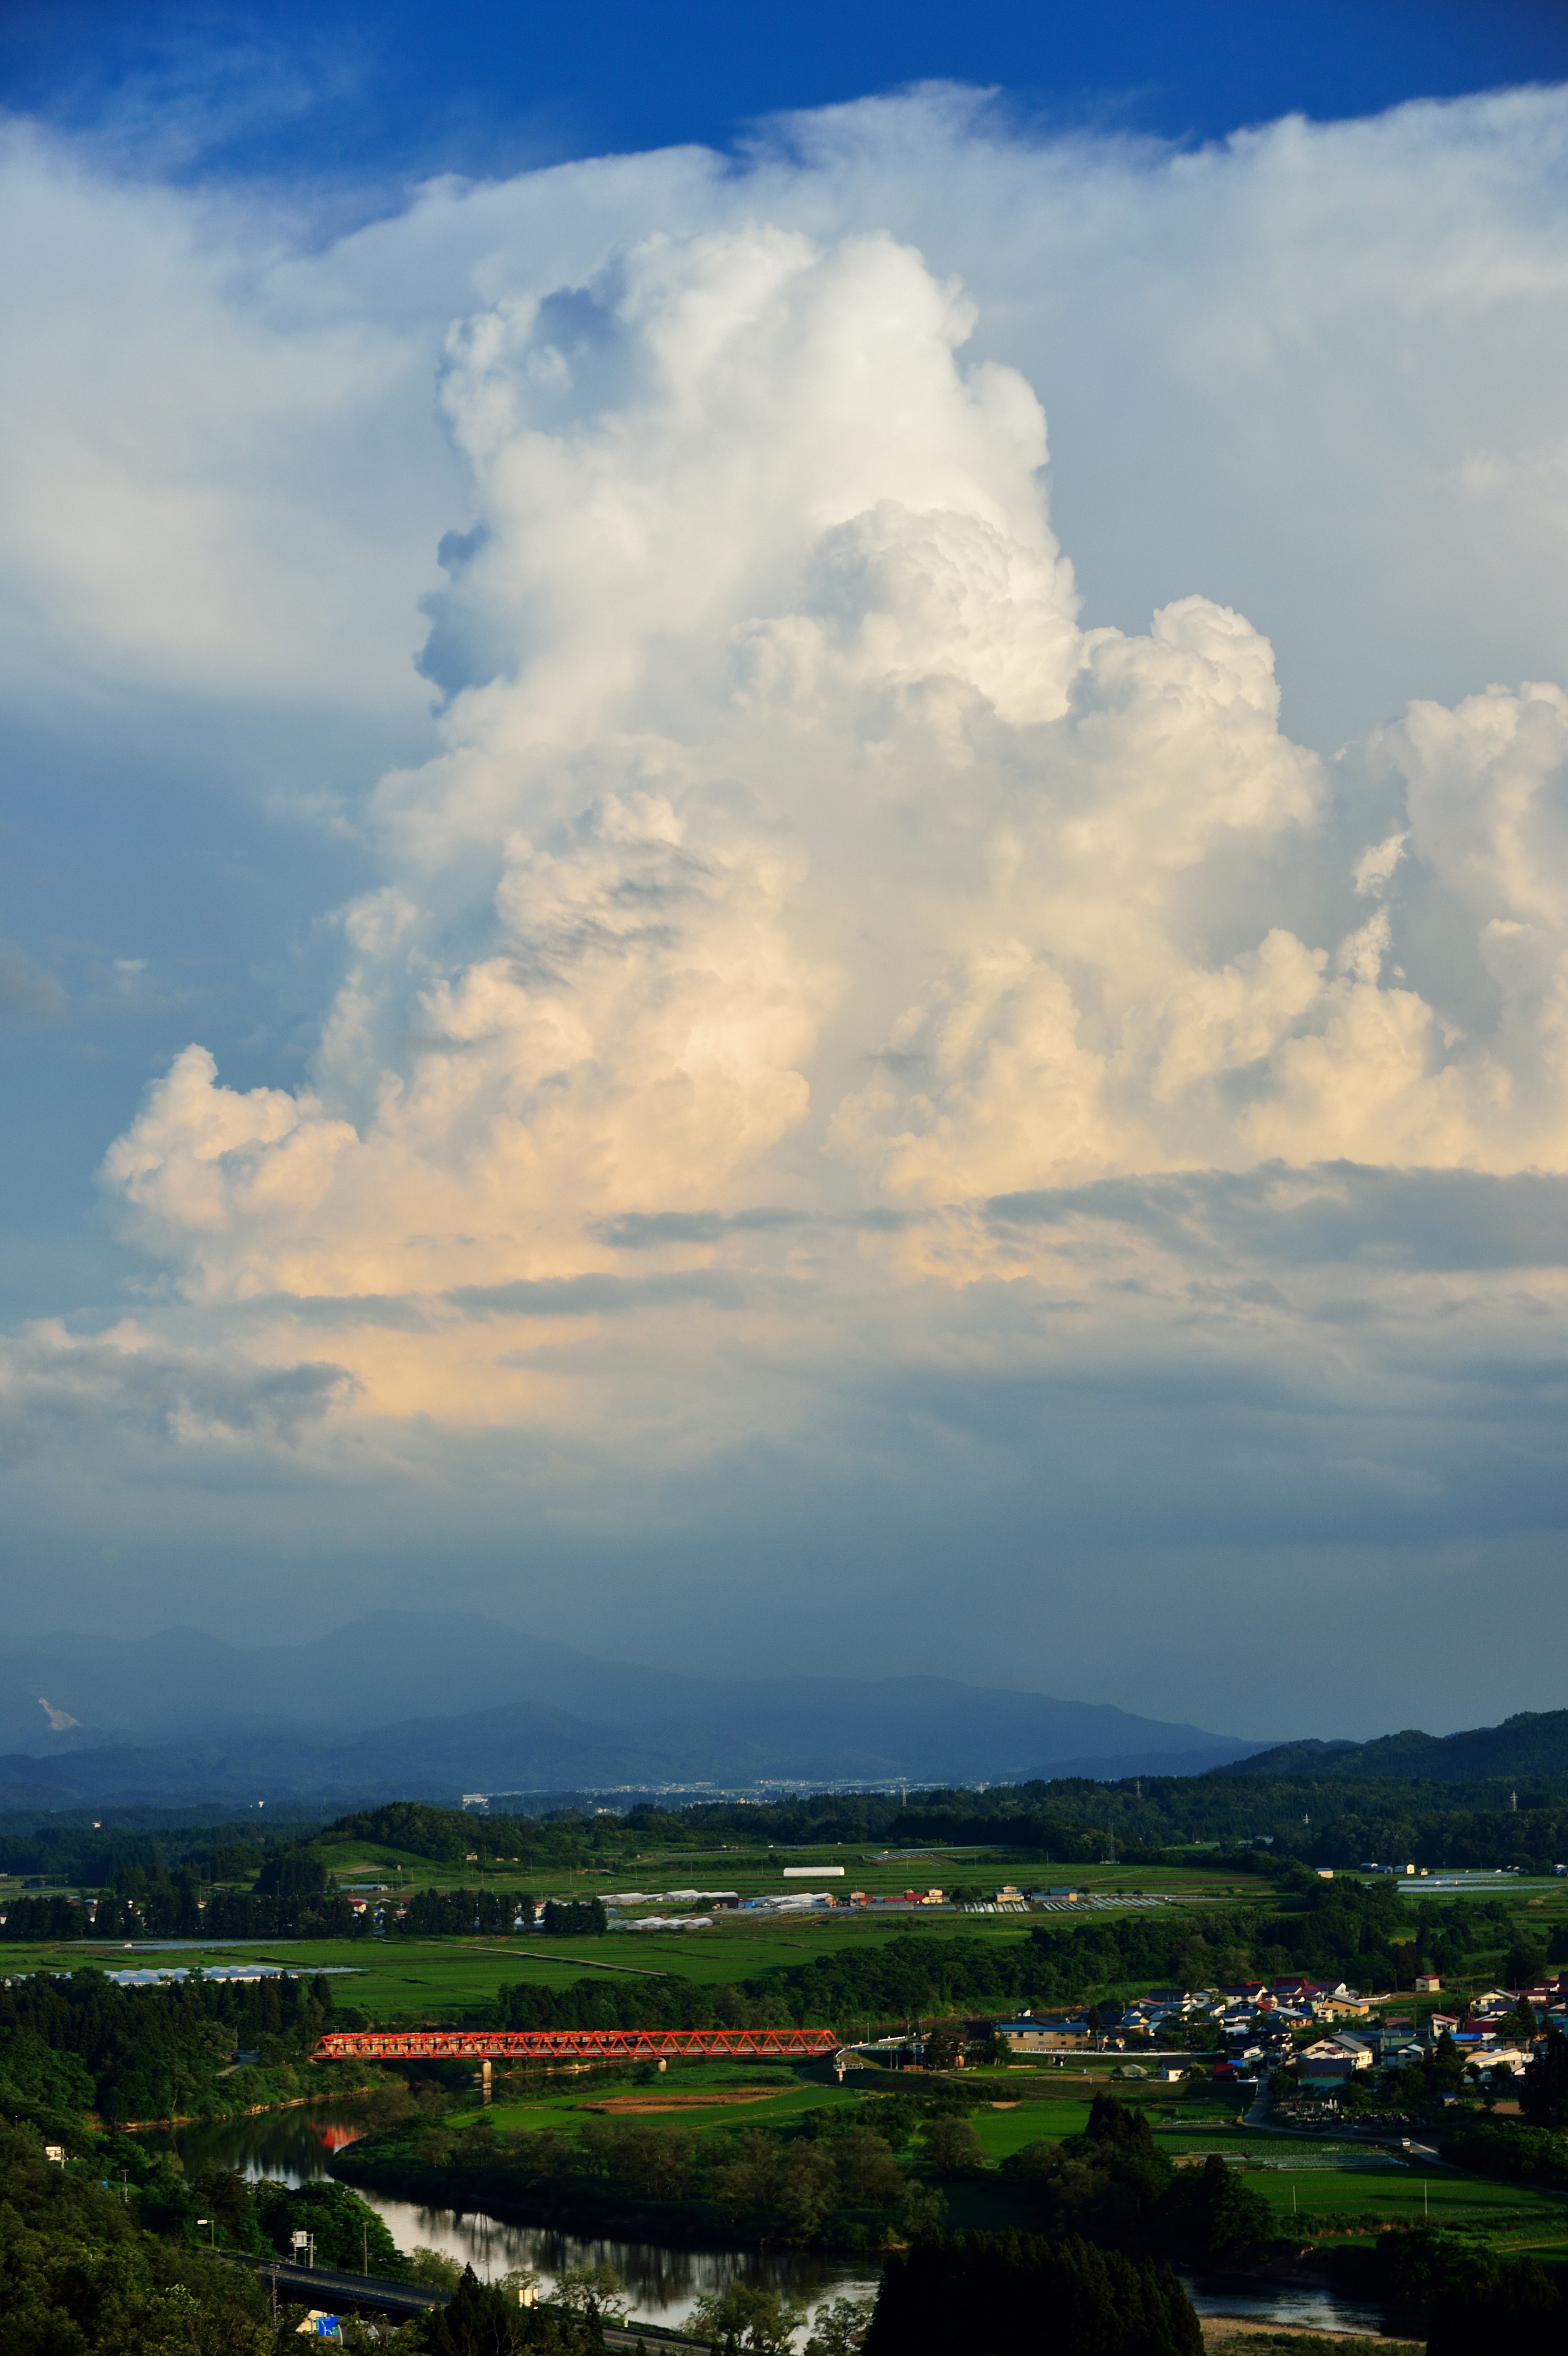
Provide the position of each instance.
(399, 1978)
(403, 1979)
(754, 1873)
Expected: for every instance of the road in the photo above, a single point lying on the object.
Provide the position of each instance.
(330, 2291)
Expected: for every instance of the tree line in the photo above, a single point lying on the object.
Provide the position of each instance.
(1255, 1821)
(837, 2181)
(77, 2042)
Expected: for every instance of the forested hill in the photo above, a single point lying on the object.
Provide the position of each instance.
(1532, 1743)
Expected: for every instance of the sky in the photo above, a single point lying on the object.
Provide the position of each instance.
(783, 861)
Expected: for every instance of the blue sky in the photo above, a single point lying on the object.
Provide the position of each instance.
(336, 91)
(784, 840)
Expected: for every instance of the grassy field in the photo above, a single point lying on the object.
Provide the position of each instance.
(752, 1873)
(700, 2099)
(1313, 2185)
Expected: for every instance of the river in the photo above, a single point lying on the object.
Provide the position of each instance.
(663, 2281)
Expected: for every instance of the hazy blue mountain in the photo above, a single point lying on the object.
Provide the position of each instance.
(435, 1702)
(1114, 1766)
(1534, 1742)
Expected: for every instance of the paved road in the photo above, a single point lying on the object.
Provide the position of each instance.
(327, 2290)
(1405, 2145)
(1258, 2115)
(320, 2285)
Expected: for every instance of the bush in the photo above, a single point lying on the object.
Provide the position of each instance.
(745, 2315)
(990, 2295)
(1526, 1963)
(1544, 2088)
(952, 2148)
(1212, 2211)
(347, 2231)
(1500, 2149)
(1515, 2311)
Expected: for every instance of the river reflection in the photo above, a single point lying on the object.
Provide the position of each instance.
(1293, 2307)
(663, 2283)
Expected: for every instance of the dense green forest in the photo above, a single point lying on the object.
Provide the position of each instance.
(1327, 1821)
(74, 2041)
(1317, 1817)
(80, 2272)
(832, 2181)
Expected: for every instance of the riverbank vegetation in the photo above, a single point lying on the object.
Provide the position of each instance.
(75, 2043)
(716, 2155)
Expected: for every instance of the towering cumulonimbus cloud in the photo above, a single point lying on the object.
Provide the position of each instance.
(794, 851)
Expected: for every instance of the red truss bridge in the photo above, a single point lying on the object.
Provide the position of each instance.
(576, 2044)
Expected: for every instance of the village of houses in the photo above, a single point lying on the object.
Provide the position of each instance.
(1333, 2037)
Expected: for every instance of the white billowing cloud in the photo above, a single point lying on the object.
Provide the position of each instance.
(841, 1050)
(192, 467)
(803, 846)
(1309, 370)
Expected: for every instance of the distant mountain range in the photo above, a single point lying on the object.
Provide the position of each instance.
(428, 1706)
(1534, 1742)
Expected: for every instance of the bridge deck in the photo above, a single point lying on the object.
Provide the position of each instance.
(575, 2044)
(334, 2291)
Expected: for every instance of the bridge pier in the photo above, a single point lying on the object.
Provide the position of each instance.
(484, 2080)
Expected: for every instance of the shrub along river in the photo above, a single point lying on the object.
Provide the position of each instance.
(663, 2281)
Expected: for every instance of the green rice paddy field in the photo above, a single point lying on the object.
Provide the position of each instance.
(403, 1979)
